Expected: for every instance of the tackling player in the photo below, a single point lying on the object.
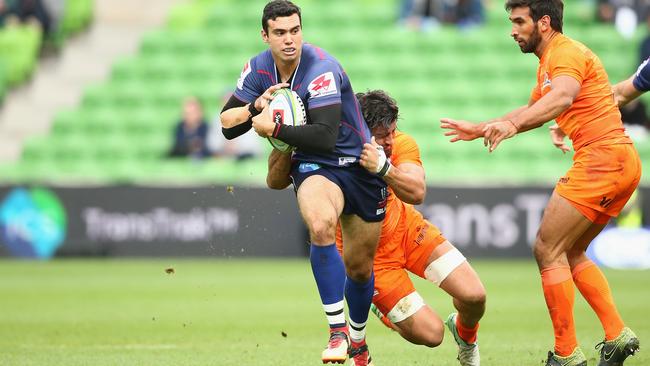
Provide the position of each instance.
(573, 88)
(331, 185)
(408, 242)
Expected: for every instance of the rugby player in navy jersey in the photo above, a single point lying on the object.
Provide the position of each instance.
(330, 184)
(632, 88)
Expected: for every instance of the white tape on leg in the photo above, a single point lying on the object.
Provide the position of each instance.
(406, 307)
(440, 268)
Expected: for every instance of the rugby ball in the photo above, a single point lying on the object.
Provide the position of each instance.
(286, 108)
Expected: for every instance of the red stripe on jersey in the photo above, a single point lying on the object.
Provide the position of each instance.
(264, 72)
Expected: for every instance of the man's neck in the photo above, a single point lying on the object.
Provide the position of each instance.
(286, 70)
(546, 40)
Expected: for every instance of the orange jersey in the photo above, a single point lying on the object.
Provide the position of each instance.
(593, 116)
(407, 239)
(405, 150)
(401, 218)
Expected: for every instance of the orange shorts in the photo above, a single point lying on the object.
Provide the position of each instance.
(411, 251)
(601, 180)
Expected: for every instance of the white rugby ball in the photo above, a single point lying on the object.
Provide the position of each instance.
(286, 108)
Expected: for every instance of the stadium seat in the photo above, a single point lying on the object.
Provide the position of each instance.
(476, 74)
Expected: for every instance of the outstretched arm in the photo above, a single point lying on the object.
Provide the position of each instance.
(564, 90)
(468, 131)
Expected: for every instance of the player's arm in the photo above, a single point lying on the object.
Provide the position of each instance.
(564, 90)
(511, 114)
(625, 92)
(639, 83)
(406, 179)
(408, 183)
(318, 136)
(236, 116)
(467, 131)
(279, 165)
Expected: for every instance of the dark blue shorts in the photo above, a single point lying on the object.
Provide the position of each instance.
(364, 193)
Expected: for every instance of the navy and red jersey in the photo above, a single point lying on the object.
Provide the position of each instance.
(642, 78)
(320, 81)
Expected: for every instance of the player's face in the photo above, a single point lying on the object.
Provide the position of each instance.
(284, 38)
(524, 30)
(384, 137)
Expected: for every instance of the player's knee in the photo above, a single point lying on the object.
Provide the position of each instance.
(429, 334)
(542, 248)
(475, 299)
(359, 271)
(433, 340)
(360, 275)
(322, 230)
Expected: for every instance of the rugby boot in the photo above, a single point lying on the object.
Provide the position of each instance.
(577, 358)
(337, 346)
(468, 354)
(614, 352)
(359, 354)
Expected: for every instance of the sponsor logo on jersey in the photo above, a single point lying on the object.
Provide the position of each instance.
(422, 233)
(381, 205)
(308, 167)
(323, 85)
(547, 81)
(606, 202)
(347, 160)
(245, 71)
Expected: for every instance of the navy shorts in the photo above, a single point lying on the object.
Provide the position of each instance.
(364, 193)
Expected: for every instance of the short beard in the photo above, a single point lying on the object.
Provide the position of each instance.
(533, 42)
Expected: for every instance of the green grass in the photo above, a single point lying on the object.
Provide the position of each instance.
(233, 312)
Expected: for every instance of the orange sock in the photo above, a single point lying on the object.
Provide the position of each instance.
(594, 288)
(465, 333)
(559, 295)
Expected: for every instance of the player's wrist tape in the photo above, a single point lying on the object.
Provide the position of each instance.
(252, 110)
(383, 163)
(385, 169)
(276, 129)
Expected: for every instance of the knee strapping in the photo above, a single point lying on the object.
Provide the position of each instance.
(440, 268)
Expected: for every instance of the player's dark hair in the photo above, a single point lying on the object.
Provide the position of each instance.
(279, 8)
(378, 108)
(538, 8)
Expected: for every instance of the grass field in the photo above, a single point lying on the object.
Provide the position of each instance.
(235, 312)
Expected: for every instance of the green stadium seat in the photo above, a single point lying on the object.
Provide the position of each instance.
(187, 16)
(124, 126)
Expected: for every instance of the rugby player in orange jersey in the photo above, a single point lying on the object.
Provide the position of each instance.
(572, 88)
(408, 242)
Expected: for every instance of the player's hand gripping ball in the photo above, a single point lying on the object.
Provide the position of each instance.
(286, 108)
